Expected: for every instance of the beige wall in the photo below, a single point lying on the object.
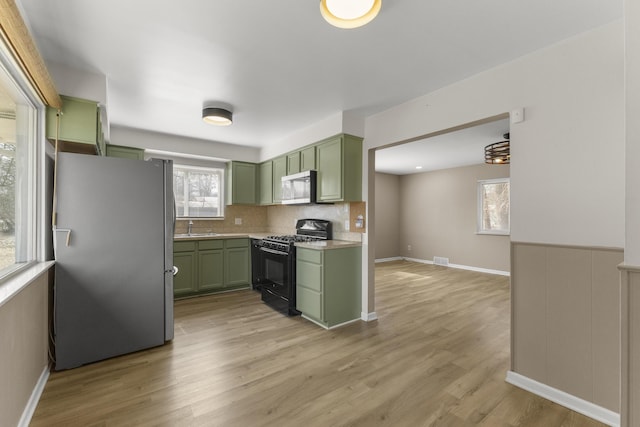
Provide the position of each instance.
(388, 207)
(565, 320)
(23, 347)
(438, 218)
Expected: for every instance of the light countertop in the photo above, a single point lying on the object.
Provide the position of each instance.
(328, 244)
(320, 245)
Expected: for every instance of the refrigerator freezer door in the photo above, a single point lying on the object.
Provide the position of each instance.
(110, 278)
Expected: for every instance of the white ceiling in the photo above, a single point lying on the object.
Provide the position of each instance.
(451, 150)
(279, 64)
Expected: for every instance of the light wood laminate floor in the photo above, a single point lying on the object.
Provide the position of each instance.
(437, 356)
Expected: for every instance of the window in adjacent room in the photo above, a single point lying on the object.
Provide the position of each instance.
(494, 206)
(17, 175)
(198, 191)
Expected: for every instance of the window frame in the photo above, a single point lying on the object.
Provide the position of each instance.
(29, 202)
(221, 190)
(480, 211)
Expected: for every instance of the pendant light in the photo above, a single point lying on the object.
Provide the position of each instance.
(217, 116)
(498, 153)
(349, 13)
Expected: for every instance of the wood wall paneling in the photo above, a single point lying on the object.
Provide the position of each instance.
(528, 296)
(565, 319)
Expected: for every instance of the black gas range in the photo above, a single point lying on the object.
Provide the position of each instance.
(274, 263)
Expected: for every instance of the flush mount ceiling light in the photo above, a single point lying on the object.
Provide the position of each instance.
(217, 116)
(349, 13)
(498, 153)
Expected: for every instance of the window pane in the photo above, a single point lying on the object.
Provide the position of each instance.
(198, 191)
(494, 205)
(16, 201)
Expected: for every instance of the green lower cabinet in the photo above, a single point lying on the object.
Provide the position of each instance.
(212, 265)
(184, 258)
(211, 270)
(237, 266)
(328, 285)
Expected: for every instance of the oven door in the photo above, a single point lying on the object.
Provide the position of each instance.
(276, 281)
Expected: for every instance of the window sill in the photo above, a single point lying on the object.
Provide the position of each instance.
(493, 233)
(17, 282)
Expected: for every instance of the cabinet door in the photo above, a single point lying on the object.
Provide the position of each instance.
(309, 303)
(125, 152)
(279, 170)
(329, 162)
(78, 122)
(237, 267)
(243, 183)
(293, 163)
(210, 269)
(184, 282)
(308, 159)
(266, 183)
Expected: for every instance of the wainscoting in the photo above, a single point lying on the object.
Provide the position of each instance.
(565, 327)
(630, 319)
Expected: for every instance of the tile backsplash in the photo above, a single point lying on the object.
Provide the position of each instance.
(277, 219)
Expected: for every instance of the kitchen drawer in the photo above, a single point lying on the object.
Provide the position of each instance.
(309, 255)
(309, 302)
(309, 275)
(184, 246)
(237, 243)
(210, 244)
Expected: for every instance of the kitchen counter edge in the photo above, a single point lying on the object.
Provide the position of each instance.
(328, 244)
(321, 245)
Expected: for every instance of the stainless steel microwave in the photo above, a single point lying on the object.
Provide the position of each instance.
(299, 188)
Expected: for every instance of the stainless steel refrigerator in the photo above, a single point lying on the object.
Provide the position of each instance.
(113, 244)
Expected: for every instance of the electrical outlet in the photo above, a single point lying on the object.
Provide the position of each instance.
(346, 225)
(238, 221)
(409, 247)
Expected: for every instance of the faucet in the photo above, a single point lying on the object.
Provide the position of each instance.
(189, 227)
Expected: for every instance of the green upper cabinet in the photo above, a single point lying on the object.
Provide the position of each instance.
(124, 152)
(308, 159)
(265, 173)
(293, 163)
(79, 123)
(339, 165)
(242, 183)
(279, 170)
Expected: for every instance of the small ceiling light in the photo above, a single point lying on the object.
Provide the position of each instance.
(498, 153)
(418, 167)
(217, 116)
(349, 13)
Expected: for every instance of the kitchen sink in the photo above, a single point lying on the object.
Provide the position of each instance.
(196, 235)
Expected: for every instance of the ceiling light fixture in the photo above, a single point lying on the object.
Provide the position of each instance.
(217, 116)
(349, 13)
(498, 153)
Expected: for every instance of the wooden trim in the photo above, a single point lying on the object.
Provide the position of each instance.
(567, 246)
(15, 35)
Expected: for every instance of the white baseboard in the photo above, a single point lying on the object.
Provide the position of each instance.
(395, 258)
(339, 325)
(30, 408)
(462, 267)
(369, 317)
(567, 400)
